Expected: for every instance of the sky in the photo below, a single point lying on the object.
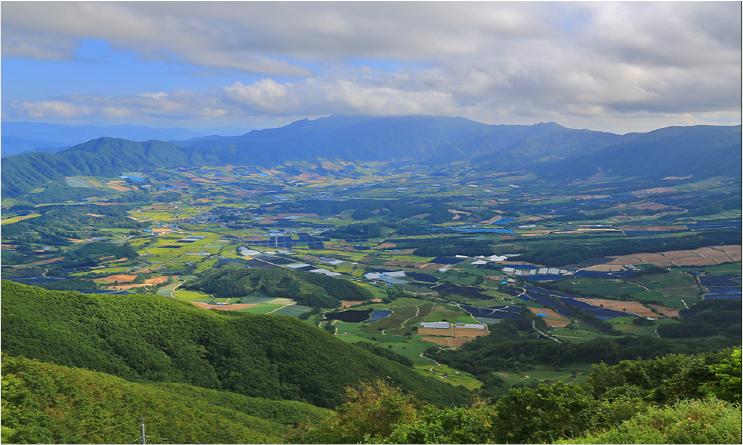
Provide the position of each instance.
(618, 67)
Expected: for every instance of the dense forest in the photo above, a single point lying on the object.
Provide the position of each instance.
(672, 399)
(306, 288)
(94, 407)
(148, 338)
(200, 376)
(708, 325)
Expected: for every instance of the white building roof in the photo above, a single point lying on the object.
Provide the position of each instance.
(471, 326)
(397, 274)
(435, 324)
(244, 251)
(325, 272)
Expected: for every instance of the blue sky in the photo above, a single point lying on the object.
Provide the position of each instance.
(612, 66)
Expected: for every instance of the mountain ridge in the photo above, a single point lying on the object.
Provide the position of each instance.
(420, 139)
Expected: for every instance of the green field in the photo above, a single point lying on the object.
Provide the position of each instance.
(190, 295)
(667, 289)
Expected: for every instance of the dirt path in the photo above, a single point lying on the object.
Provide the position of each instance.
(417, 312)
(404, 322)
(172, 292)
(639, 285)
(546, 335)
(436, 364)
(280, 308)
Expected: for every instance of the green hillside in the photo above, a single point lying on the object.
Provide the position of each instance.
(688, 421)
(47, 403)
(546, 149)
(153, 339)
(304, 287)
(99, 157)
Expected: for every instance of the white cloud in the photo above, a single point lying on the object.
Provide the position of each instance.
(602, 65)
(54, 109)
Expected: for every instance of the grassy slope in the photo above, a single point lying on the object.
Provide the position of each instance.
(154, 339)
(688, 421)
(56, 404)
(304, 287)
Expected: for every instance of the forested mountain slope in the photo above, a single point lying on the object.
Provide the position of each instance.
(149, 338)
(548, 149)
(48, 403)
(701, 151)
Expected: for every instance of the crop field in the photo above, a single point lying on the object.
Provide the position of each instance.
(550, 317)
(437, 244)
(19, 218)
(83, 181)
(671, 288)
(120, 278)
(447, 342)
(223, 307)
(705, 256)
(190, 295)
(631, 307)
(454, 332)
(293, 310)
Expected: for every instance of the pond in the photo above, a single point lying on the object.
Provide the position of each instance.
(379, 314)
(349, 316)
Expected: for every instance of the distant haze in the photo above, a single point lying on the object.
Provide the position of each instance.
(21, 137)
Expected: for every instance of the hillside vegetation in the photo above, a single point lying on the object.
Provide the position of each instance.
(306, 288)
(149, 338)
(563, 152)
(672, 399)
(47, 403)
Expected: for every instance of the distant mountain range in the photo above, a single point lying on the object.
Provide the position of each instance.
(22, 137)
(546, 148)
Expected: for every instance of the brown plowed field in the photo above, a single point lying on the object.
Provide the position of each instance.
(632, 307)
(222, 307)
(667, 311)
(119, 278)
(449, 342)
(456, 332)
(155, 280)
(553, 319)
(704, 256)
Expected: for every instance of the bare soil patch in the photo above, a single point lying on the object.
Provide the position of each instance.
(222, 307)
(118, 278)
(552, 318)
(631, 307)
(704, 256)
(449, 342)
(667, 311)
(156, 280)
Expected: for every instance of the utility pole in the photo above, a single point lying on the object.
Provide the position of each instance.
(142, 437)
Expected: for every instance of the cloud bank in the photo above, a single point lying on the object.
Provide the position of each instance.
(618, 66)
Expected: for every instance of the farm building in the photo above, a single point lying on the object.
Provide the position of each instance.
(446, 329)
(325, 272)
(436, 324)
